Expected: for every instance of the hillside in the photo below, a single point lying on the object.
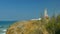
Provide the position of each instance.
(27, 27)
(52, 26)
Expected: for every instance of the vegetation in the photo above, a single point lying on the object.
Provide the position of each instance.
(44, 26)
(53, 25)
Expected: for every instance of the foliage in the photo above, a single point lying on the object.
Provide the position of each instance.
(43, 26)
(53, 26)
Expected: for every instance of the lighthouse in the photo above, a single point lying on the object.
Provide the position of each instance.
(45, 14)
(46, 17)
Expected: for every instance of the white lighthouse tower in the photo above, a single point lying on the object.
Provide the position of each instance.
(45, 13)
(46, 17)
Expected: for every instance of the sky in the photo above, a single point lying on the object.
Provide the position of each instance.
(11, 10)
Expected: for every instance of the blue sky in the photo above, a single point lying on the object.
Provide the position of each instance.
(27, 9)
